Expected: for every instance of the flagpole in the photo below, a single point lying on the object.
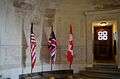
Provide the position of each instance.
(42, 64)
(32, 48)
(31, 65)
(52, 47)
(51, 57)
(51, 63)
(86, 36)
(70, 48)
(22, 42)
(31, 54)
(70, 66)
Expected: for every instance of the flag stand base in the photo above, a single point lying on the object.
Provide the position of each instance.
(45, 74)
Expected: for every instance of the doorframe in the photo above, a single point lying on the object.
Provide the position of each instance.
(114, 31)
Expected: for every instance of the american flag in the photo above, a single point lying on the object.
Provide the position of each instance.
(70, 47)
(52, 44)
(33, 47)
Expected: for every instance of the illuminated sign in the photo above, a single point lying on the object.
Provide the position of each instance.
(102, 35)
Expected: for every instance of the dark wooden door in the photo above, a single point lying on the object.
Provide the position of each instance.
(103, 43)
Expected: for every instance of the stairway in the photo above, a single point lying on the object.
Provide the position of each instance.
(101, 71)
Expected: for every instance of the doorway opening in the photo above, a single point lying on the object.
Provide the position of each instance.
(104, 45)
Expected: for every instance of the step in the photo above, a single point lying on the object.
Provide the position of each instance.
(104, 72)
(96, 75)
(103, 69)
(106, 66)
(81, 76)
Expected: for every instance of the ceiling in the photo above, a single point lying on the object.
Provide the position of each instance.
(97, 4)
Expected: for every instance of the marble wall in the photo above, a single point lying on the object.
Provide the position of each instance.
(10, 40)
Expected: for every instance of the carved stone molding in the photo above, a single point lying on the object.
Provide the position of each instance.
(106, 4)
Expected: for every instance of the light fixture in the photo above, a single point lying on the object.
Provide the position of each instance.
(104, 23)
